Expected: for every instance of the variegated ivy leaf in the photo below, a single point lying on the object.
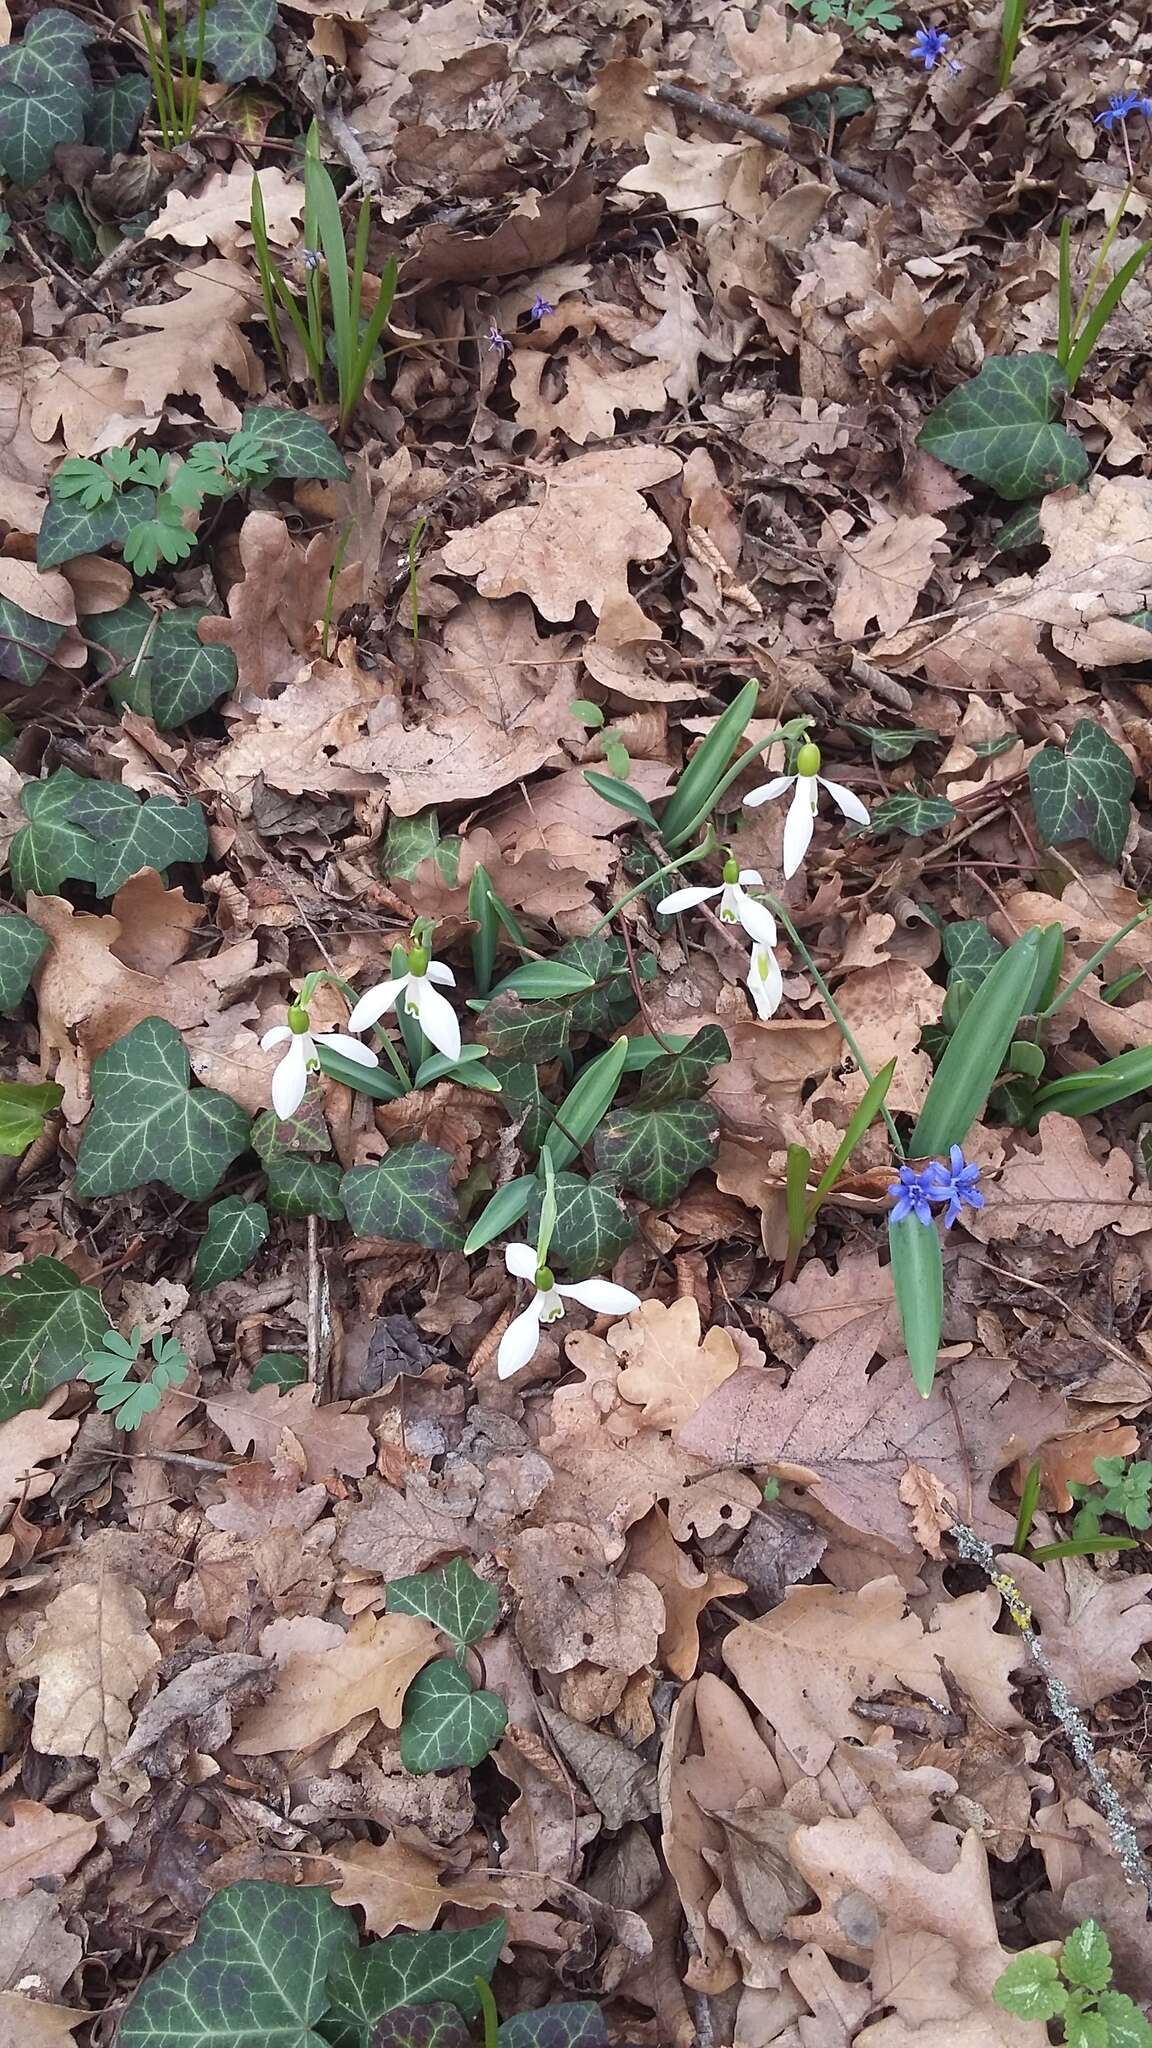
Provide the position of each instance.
(298, 444)
(299, 1186)
(574, 2024)
(157, 664)
(592, 1225)
(447, 1721)
(412, 1969)
(907, 811)
(1083, 790)
(21, 945)
(237, 39)
(130, 834)
(1000, 427)
(26, 643)
(655, 1152)
(51, 849)
(147, 1124)
(49, 1321)
(421, 2026)
(408, 1197)
(68, 530)
(45, 93)
(453, 1597)
(117, 111)
(236, 1230)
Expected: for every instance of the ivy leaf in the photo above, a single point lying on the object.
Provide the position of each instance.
(889, 742)
(278, 1369)
(570, 2024)
(45, 92)
(236, 1230)
(421, 2026)
(970, 951)
(147, 1124)
(1030, 1987)
(905, 811)
(50, 849)
(408, 1198)
(21, 945)
(447, 1723)
(612, 1001)
(592, 1224)
(298, 444)
(24, 1105)
(524, 1099)
(117, 111)
(299, 1186)
(66, 217)
(26, 643)
(454, 1597)
(1083, 792)
(1000, 428)
(655, 1152)
(236, 39)
(525, 1032)
(49, 1321)
(414, 1969)
(129, 834)
(255, 1972)
(410, 841)
(678, 1075)
(67, 530)
(176, 678)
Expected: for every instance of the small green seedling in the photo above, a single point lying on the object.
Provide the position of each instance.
(1074, 1989)
(128, 1400)
(859, 17)
(175, 81)
(1122, 1490)
(1086, 1539)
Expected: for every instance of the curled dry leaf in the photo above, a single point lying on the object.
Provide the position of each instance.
(316, 1693)
(668, 1370)
(577, 1609)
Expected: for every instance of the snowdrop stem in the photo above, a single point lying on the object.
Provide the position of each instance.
(671, 867)
(638, 990)
(312, 982)
(839, 1018)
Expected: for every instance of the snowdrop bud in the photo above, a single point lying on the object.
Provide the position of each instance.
(418, 960)
(544, 1281)
(731, 871)
(808, 759)
(298, 1020)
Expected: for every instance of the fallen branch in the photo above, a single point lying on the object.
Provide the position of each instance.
(774, 138)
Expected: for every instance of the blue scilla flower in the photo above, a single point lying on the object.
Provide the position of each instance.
(928, 46)
(955, 1185)
(540, 308)
(1120, 105)
(913, 1194)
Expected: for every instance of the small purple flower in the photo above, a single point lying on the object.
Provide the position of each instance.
(913, 1194)
(1120, 105)
(497, 341)
(928, 46)
(540, 308)
(954, 1185)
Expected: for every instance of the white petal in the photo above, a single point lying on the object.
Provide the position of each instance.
(444, 975)
(519, 1343)
(279, 1035)
(685, 899)
(768, 790)
(846, 800)
(799, 823)
(375, 1001)
(603, 1296)
(290, 1081)
(756, 919)
(352, 1048)
(521, 1260)
(750, 877)
(549, 1304)
(765, 983)
(438, 1020)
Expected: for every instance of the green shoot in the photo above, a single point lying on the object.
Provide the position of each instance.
(1012, 19)
(804, 1208)
(126, 1399)
(176, 91)
(1079, 330)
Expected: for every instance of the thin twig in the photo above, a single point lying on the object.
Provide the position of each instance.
(774, 138)
(314, 1307)
(312, 85)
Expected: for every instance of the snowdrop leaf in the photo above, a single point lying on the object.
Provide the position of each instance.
(408, 1198)
(1000, 427)
(1083, 790)
(236, 1230)
(147, 1124)
(446, 1722)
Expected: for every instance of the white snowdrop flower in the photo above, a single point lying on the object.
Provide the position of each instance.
(520, 1339)
(735, 906)
(764, 982)
(802, 809)
(420, 997)
(298, 1060)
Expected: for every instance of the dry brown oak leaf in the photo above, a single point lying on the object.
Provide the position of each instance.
(1090, 1625)
(686, 1591)
(1063, 1188)
(668, 1370)
(221, 211)
(573, 542)
(37, 1843)
(332, 1440)
(780, 59)
(575, 1608)
(25, 1441)
(316, 1693)
(399, 1533)
(35, 2023)
(882, 574)
(273, 608)
(193, 338)
(91, 1656)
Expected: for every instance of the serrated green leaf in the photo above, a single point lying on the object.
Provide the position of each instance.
(453, 1597)
(24, 1105)
(299, 1186)
(1083, 791)
(905, 811)
(1030, 1987)
(568, 2024)
(117, 111)
(1001, 428)
(1127, 2025)
(45, 92)
(299, 445)
(66, 217)
(1086, 1957)
(415, 1969)
(408, 1198)
(237, 41)
(146, 1123)
(235, 1232)
(592, 1224)
(655, 1152)
(22, 944)
(128, 834)
(67, 530)
(421, 2026)
(49, 1321)
(176, 677)
(255, 1973)
(446, 1722)
(26, 643)
(680, 1076)
(970, 951)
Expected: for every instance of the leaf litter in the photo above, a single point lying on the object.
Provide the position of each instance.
(763, 1758)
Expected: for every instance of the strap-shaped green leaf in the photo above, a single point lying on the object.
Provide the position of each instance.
(21, 945)
(147, 1124)
(301, 447)
(67, 530)
(49, 1321)
(414, 1969)
(918, 1281)
(26, 643)
(1083, 791)
(408, 1197)
(1001, 428)
(45, 92)
(237, 39)
(446, 1722)
(453, 1597)
(254, 1977)
(655, 1152)
(235, 1232)
(117, 111)
(176, 677)
(592, 1224)
(975, 1052)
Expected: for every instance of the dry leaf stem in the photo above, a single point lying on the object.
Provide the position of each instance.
(774, 138)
